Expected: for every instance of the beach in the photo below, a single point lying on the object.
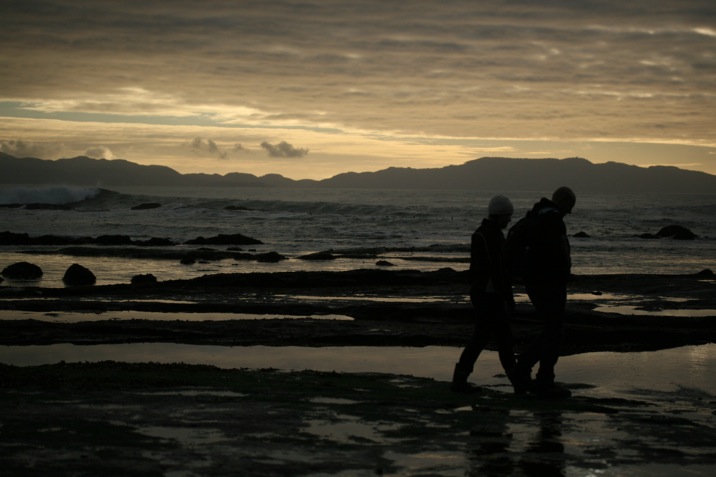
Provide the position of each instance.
(328, 348)
(175, 418)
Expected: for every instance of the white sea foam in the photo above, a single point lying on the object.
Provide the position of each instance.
(55, 195)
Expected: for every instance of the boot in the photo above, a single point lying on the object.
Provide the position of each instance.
(521, 380)
(459, 381)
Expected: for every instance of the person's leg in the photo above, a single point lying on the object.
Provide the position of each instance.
(482, 309)
(551, 302)
(530, 356)
(505, 343)
(554, 303)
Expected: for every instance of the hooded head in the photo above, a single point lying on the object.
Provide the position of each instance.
(564, 199)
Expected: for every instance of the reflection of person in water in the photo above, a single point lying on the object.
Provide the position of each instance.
(493, 448)
(490, 293)
(544, 456)
(489, 445)
(546, 275)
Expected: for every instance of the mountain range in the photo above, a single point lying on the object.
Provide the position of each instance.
(487, 173)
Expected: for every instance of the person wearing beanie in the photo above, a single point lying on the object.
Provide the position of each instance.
(500, 206)
(548, 268)
(490, 294)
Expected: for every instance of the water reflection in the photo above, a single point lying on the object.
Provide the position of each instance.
(495, 449)
(488, 451)
(604, 373)
(639, 311)
(544, 456)
(78, 317)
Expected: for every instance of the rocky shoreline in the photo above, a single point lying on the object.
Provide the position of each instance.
(117, 418)
(379, 307)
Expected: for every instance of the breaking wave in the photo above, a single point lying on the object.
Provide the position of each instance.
(55, 195)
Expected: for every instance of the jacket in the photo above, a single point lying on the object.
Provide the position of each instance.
(488, 270)
(549, 256)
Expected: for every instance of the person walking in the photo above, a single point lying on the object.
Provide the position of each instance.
(548, 268)
(490, 294)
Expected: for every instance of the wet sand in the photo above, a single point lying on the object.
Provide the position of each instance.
(177, 419)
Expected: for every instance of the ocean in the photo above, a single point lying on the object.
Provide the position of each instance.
(410, 229)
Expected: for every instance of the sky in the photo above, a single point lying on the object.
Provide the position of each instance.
(313, 88)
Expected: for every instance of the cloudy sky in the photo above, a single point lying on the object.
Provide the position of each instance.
(312, 88)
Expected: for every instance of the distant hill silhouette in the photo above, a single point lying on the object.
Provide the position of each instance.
(488, 173)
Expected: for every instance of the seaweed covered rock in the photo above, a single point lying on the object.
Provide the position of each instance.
(77, 275)
(144, 279)
(270, 257)
(11, 238)
(114, 240)
(22, 271)
(677, 232)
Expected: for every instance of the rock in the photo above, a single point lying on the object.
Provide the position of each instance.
(224, 239)
(77, 275)
(58, 240)
(649, 236)
(22, 271)
(113, 240)
(705, 273)
(38, 206)
(147, 205)
(144, 279)
(188, 260)
(155, 242)
(581, 235)
(384, 263)
(677, 232)
(11, 238)
(270, 257)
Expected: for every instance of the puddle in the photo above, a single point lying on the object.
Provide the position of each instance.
(78, 317)
(379, 299)
(195, 393)
(346, 429)
(689, 367)
(599, 296)
(443, 463)
(638, 311)
(324, 400)
(191, 435)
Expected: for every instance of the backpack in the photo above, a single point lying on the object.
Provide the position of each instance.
(519, 243)
(517, 246)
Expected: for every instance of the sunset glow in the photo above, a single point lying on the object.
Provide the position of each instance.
(309, 89)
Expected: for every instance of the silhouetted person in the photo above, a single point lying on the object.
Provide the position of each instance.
(490, 293)
(546, 275)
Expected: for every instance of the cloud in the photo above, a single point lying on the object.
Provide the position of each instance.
(240, 148)
(20, 148)
(99, 152)
(283, 149)
(201, 145)
(208, 146)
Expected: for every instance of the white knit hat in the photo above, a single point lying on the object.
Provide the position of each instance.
(500, 205)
